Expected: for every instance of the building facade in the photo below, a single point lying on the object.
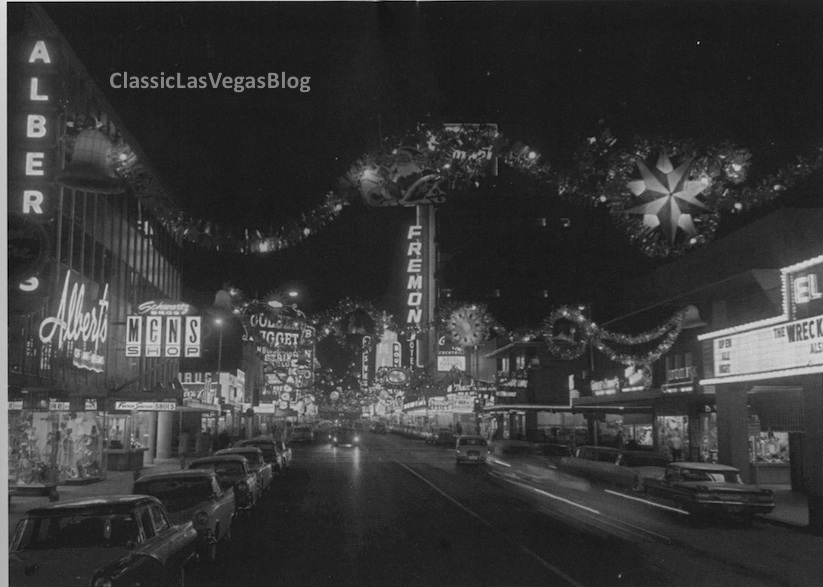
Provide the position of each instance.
(86, 252)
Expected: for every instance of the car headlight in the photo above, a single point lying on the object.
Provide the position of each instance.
(334, 439)
(357, 439)
(101, 582)
(201, 517)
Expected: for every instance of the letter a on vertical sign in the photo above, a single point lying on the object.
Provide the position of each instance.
(134, 335)
(173, 336)
(191, 337)
(154, 335)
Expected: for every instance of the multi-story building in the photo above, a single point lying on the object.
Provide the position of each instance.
(88, 254)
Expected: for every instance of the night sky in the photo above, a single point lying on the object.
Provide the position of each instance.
(548, 73)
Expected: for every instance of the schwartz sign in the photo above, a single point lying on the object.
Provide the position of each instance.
(790, 344)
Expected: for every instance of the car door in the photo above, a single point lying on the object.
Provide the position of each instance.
(224, 506)
(173, 546)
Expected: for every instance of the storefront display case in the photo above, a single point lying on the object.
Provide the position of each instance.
(124, 450)
(54, 447)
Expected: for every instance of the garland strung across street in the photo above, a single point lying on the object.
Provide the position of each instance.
(571, 342)
(644, 186)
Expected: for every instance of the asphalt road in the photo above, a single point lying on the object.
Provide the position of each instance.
(399, 512)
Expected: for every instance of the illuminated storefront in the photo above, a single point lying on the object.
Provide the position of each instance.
(770, 373)
(84, 253)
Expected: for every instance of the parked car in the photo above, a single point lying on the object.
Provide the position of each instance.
(444, 437)
(470, 448)
(264, 471)
(233, 471)
(302, 434)
(378, 428)
(271, 454)
(613, 466)
(699, 488)
(346, 437)
(101, 540)
(194, 496)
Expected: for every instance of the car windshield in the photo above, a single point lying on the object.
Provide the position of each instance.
(266, 447)
(76, 531)
(177, 494)
(710, 476)
(253, 456)
(472, 442)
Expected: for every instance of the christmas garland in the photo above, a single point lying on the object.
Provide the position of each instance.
(435, 160)
(572, 344)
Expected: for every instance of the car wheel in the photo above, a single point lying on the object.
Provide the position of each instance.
(639, 487)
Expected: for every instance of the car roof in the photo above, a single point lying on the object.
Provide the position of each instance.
(471, 436)
(105, 503)
(220, 459)
(255, 442)
(236, 450)
(185, 473)
(704, 466)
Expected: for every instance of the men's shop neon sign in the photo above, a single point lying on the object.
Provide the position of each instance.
(72, 324)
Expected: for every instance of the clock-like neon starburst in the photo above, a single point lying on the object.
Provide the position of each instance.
(467, 327)
(670, 198)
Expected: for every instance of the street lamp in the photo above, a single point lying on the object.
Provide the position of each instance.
(219, 323)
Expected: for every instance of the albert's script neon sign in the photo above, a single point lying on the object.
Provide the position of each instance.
(72, 323)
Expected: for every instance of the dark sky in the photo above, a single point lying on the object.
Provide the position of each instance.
(546, 72)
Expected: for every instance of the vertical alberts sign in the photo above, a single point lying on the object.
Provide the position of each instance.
(32, 157)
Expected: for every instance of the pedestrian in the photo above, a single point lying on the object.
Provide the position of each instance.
(676, 444)
(458, 429)
(619, 440)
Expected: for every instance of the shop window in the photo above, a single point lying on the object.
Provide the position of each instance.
(673, 436)
(46, 357)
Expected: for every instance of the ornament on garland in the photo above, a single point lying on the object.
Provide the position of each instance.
(468, 325)
(572, 341)
(670, 197)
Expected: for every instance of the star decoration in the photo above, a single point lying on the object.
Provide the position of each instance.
(467, 326)
(670, 199)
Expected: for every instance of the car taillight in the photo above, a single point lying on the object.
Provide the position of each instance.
(201, 517)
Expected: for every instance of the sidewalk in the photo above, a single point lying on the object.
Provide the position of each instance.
(790, 507)
(116, 482)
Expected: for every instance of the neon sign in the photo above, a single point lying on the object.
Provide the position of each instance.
(31, 167)
(72, 324)
(414, 270)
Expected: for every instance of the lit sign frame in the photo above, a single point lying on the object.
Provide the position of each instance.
(781, 346)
